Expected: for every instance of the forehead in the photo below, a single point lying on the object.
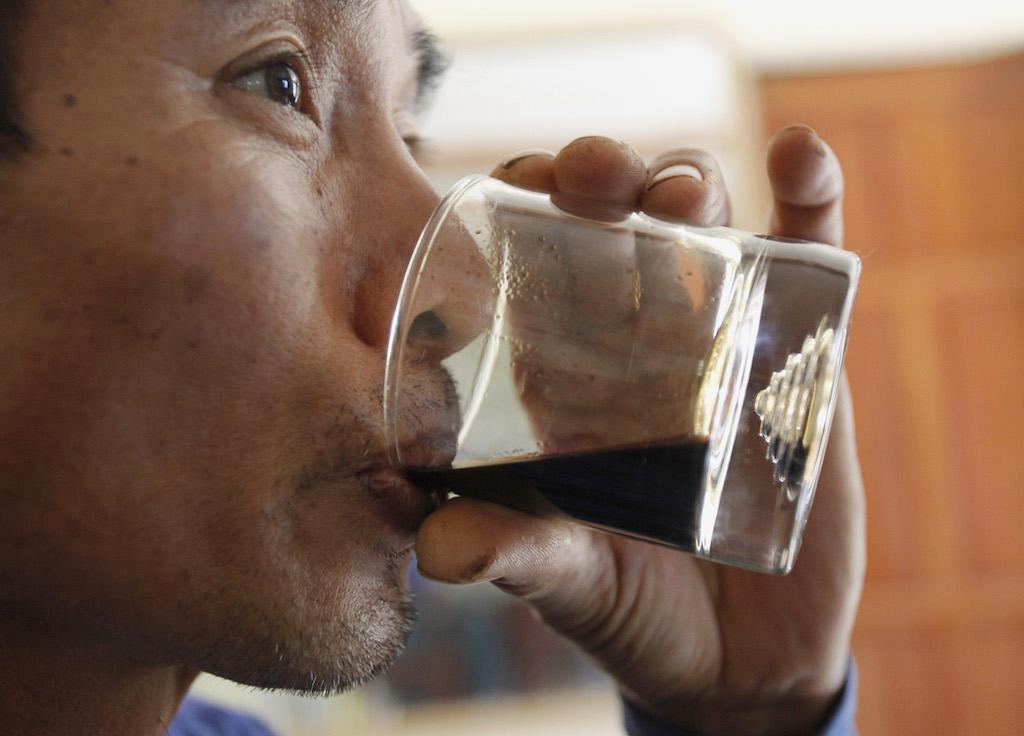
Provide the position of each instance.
(165, 26)
(331, 15)
(348, 6)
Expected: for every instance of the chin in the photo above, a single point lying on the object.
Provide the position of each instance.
(340, 637)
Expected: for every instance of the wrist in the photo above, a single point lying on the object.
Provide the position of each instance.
(786, 716)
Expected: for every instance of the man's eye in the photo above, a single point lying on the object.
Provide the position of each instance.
(278, 82)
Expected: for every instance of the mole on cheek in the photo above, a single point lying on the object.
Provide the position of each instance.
(70, 100)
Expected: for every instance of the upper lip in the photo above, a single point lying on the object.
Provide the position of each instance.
(427, 450)
(380, 463)
(410, 502)
(383, 478)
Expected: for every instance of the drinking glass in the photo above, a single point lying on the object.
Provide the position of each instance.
(671, 383)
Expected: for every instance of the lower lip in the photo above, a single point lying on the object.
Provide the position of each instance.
(405, 504)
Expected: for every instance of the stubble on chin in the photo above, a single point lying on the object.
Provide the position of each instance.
(355, 640)
(342, 635)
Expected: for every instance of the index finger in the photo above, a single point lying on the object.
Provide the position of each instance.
(807, 185)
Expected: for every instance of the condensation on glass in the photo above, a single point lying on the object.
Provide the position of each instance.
(670, 383)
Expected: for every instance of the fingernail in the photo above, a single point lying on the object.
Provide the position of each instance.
(477, 569)
(671, 172)
(804, 128)
(582, 138)
(510, 162)
(819, 144)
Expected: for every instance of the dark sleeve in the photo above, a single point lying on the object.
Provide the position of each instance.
(196, 718)
(840, 721)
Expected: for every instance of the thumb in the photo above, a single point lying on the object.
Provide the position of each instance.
(654, 639)
(557, 566)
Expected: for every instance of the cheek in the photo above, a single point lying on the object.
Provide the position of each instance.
(183, 366)
(239, 291)
(190, 342)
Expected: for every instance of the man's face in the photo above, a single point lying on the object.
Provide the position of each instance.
(198, 261)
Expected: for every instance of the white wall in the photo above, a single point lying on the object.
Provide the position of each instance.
(775, 34)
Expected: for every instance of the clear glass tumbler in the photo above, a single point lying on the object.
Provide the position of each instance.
(670, 383)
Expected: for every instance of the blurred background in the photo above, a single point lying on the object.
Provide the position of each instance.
(924, 104)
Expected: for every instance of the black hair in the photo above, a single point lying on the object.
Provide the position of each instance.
(13, 137)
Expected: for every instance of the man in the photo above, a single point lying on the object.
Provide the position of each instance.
(207, 208)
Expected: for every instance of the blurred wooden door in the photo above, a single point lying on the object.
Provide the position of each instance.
(934, 165)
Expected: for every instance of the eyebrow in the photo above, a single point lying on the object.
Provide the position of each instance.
(431, 64)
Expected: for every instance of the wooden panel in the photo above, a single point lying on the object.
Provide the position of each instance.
(984, 353)
(897, 546)
(992, 699)
(917, 671)
(934, 165)
(884, 218)
(942, 681)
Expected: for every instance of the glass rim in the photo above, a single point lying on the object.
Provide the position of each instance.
(400, 319)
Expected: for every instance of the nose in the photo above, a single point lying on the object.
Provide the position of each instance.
(443, 309)
(451, 303)
(398, 204)
(450, 294)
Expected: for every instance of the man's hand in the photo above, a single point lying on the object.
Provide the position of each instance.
(711, 648)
